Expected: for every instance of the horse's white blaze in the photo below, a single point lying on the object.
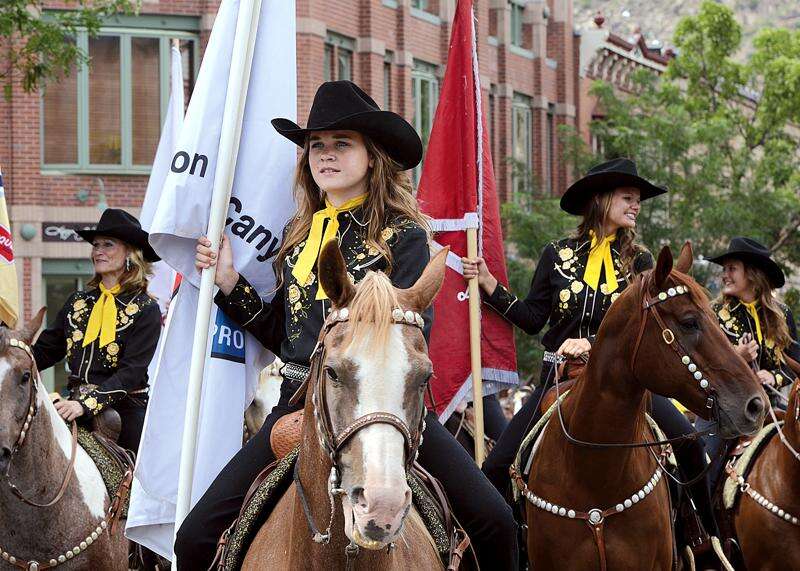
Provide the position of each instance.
(88, 477)
(5, 366)
(381, 388)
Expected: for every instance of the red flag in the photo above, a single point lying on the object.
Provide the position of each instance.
(457, 189)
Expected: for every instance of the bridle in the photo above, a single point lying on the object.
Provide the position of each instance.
(33, 408)
(333, 442)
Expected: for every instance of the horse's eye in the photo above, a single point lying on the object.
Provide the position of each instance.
(331, 373)
(690, 324)
(426, 379)
(26, 376)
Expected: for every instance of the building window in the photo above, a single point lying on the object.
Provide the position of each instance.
(421, 4)
(517, 9)
(107, 116)
(521, 146)
(338, 57)
(387, 81)
(550, 148)
(425, 93)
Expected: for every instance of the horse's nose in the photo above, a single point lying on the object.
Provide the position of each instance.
(5, 458)
(754, 411)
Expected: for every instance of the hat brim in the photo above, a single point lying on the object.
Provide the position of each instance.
(132, 236)
(767, 265)
(393, 133)
(576, 197)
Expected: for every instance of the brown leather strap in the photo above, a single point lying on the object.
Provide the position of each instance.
(599, 539)
(64, 483)
(457, 552)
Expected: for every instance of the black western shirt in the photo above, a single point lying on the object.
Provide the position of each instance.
(115, 374)
(289, 325)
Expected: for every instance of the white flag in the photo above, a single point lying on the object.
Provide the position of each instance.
(163, 281)
(260, 205)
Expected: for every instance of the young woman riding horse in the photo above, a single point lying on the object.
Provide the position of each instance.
(109, 332)
(760, 327)
(576, 280)
(596, 497)
(350, 187)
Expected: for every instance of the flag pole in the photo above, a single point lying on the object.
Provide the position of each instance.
(238, 80)
(475, 339)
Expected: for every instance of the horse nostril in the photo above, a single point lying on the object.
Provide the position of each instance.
(5, 456)
(755, 408)
(357, 497)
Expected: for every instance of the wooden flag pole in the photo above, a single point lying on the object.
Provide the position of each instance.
(475, 347)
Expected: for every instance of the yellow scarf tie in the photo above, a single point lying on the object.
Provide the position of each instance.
(316, 240)
(753, 311)
(599, 258)
(103, 319)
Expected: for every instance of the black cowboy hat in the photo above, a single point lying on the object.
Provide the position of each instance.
(753, 254)
(606, 176)
(342, 105)
(116, 223)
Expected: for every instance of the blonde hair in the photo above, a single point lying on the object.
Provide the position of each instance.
(390, 195)
(371, 313)
(135, 279)
(774, 320)
(594, 219)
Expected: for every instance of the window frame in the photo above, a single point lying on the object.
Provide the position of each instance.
(334, 44)
(516, 23)
(125, 34)
(428, 72)
(522, 103)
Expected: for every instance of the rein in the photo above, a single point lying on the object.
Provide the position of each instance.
(333, 442)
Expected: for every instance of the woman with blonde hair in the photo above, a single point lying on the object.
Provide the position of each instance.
(109, 332)
(350, 186)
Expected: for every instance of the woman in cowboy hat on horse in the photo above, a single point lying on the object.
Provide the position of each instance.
(576, 280)
(350, 186)
(762, 328)
(109, 332)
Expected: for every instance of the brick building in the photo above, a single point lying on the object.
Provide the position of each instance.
(86, 142)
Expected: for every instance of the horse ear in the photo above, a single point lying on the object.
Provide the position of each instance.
(420, 296)
(685, 259)
(29, 330)
(333, 275)
(663, 266)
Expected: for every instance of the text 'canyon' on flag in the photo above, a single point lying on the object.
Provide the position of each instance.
(457, 190)
(259, 207)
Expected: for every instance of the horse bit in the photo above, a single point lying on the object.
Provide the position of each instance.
(333, 442)
(33, 408)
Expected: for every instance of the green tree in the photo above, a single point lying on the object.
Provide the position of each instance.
(723, 136)
(39, 47)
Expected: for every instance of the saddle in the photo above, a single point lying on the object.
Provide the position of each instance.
(285, 434)
(269, 486)
(568, 372)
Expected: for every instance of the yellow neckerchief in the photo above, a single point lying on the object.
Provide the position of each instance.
(103, 319)
(599, 258)
(316, 240)
(753, 311)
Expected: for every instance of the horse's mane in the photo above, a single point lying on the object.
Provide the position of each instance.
(4, 337)
(371, 312)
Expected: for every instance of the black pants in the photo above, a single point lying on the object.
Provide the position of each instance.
(494, 420)
(477, 505)
(690, 453)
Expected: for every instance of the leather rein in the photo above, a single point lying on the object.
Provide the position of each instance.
(33, 408)
(333, 442)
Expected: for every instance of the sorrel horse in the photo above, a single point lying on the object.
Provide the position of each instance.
(593, 500)
(54, 505)
(365, 392)
(767, 521)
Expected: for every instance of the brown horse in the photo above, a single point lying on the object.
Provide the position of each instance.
(365, 392)
(608, 507)
(767, 520)
(54, 505)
